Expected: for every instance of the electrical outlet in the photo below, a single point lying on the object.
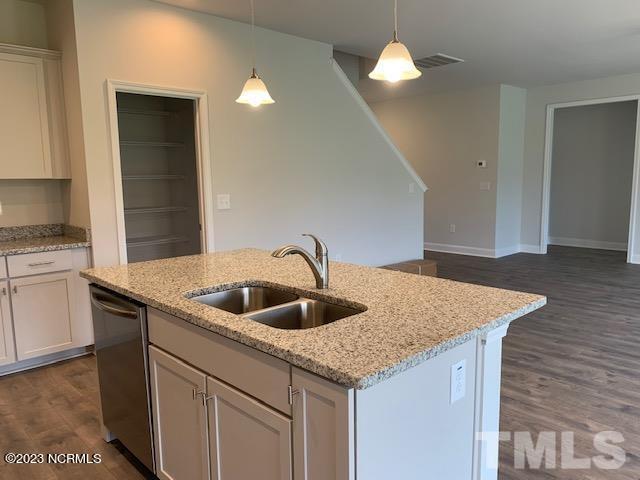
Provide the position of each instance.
(452, 228)
(223, 201)
(458, 381)
(0, 208)
(485, 186)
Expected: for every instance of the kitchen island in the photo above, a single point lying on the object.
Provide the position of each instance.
(398, 390)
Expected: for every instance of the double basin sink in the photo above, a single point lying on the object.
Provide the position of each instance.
(276, 308)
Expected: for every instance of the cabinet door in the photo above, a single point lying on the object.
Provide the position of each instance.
(24, 129)
(179, 418)
(323, 432)
(247, 439)
(43, 309)
(7, 351)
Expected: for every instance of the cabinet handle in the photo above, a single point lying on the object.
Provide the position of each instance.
(39, 264)
(195, 393)
(15, 289)
(291, 392)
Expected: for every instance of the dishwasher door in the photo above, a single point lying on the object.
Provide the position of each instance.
(120, 327)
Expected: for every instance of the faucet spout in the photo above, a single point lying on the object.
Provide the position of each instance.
(319, 264)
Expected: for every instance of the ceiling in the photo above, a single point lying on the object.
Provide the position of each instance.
(518, 42)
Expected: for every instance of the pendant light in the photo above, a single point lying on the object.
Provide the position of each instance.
(254, 92)
(395, 62)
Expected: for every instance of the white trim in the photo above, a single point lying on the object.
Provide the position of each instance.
(460, 249)
(584, 243)
(634, 259)
(546, 182)
(203, 156)
(524, 248)
(374, 121)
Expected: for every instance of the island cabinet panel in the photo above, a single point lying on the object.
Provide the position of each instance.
(7, 351)
(262, 376)
(409, 428)
(179, 418)
(247, 439)
(323, 432)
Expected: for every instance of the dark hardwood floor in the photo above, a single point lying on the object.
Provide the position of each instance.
(54, 409)
(574, 365)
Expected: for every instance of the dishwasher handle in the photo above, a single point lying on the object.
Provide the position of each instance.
(103, 303)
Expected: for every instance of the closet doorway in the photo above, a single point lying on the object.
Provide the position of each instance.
(159, 174)
(590, 177)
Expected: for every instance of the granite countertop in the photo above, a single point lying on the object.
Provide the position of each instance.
(409, 318)
(41, 238)
(40, 244)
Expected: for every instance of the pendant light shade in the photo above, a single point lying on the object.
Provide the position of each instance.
(395, 62)
(254, 92)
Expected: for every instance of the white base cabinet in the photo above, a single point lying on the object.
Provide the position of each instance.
(43, 313)
(205, 429)
(7, 350)
(179, 418)
(408, 426)
(44, 307)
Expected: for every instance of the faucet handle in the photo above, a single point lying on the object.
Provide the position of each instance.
(321, 247)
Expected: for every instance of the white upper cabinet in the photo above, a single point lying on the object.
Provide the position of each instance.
(33, 134)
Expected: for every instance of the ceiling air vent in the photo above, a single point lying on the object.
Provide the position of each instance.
(437, 60)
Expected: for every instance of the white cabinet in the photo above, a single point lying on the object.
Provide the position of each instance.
(323, 434)
(7, 350)
(205, 429)
(33, 134)
(43, 310)
(44, 306)
(179, 418)
(247, 439)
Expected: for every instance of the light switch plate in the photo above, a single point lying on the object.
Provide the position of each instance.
(223, 201)
(485, 186)
(458, 381)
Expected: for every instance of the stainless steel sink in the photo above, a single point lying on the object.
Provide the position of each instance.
(302, 314)
(246, 299)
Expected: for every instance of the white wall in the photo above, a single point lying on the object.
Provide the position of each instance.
(30, 202)
(443, 136)
(537, 100)
(510, 166)
(22, 23)
(311, 162)
(61, 36)
(592, 169)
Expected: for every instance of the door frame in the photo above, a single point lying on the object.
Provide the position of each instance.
(548, 154)
(203, 156)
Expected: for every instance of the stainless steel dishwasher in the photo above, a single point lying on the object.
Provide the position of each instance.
(120, 327)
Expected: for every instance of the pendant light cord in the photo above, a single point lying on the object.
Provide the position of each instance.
(395, 20)
(253, 38)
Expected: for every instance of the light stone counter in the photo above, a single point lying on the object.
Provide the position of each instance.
(409, 318)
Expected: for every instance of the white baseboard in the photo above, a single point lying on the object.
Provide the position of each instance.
(634, 259)
(481, 252)
(459, 249)
(524, 248)
(583, 243)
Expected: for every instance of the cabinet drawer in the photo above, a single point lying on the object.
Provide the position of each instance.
(260, 375)
(3, 268)
(42, 262)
